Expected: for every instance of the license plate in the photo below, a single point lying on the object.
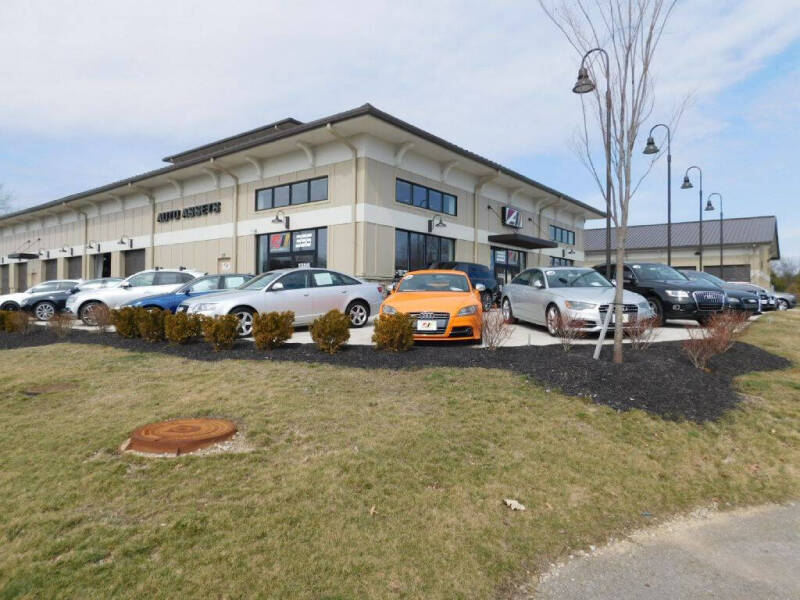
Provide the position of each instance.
(625, 318)
(426, 325)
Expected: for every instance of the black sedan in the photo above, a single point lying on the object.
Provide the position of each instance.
(737, 297)
(45, 305)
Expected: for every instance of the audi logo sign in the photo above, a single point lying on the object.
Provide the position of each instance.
(512, 217)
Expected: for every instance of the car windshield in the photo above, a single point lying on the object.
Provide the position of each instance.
(434, 282)
(559, 278)
(261, 281)
(656, 272)
(708, 277)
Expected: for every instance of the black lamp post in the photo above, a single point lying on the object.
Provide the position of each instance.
(584, 85)
(651, 148)
(710, 206)
(687, 185)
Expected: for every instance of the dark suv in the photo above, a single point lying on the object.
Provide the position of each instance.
(737, 298)
(670, 293)
(477, 273)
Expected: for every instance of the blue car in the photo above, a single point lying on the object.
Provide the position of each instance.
(196, 287)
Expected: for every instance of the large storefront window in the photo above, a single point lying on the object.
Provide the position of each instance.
(507, 264)
(414, 251)
(557, 261)
(288, 249)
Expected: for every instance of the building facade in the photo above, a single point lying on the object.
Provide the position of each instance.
(361, 192)
(748, 246)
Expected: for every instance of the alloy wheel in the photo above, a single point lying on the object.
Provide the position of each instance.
(358, 315)
(552, 319)
(245, 323)
(44, 311)
(783, 304)
(506, 310)
(486, 300)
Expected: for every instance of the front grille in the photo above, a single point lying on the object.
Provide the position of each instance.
(709, 300)
(626, 309)
(442, 318)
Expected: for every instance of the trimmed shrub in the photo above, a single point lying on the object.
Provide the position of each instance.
(272, 329)
(331, 331)
(124, 321)
(182, 328)
(3, 315)
(717, 337)
(61, 324)
(150, 323)
(102, 318)
(221, 331)
(17, 321)
(394, 332)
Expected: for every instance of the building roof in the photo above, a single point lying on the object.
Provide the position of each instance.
(283, 129)
(736, 232)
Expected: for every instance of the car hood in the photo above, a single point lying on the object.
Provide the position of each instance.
(595, 294)
(17, 297)
(215, 296)
(407, 302)
(678, 284)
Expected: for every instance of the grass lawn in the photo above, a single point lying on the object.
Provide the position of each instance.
(360, 484)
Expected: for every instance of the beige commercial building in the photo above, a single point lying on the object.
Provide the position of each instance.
(360, 191)
(748, 245)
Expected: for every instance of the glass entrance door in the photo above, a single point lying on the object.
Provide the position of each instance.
(507, 264)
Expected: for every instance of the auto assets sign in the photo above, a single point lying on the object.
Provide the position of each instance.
(189, 212)
(511, 217)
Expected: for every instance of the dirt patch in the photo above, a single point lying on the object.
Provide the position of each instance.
(659, 380)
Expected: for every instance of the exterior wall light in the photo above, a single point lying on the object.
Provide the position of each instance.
(437, 221)
(281, 217)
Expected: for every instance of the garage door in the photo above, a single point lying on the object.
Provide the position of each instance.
(50, 269)
(732, 272)
(134, 261)
(74, 264)
(5, 288)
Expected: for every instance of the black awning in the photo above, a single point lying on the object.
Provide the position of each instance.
(23, 255)
(522, 241)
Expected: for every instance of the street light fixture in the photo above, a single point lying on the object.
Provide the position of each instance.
(687, 185)
(584, 85)
(651, 148)
(709, 206)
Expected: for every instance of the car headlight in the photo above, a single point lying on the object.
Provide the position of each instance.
(208, 307)
(389, 310)
(677, 293)
(573, 305)
(733, 300)
(643, 306)
(467, 310)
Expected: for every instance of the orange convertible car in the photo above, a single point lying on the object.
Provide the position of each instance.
(444, 304)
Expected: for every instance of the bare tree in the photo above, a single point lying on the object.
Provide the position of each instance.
(629, 31)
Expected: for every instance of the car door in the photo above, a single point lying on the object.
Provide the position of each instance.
(135, 287)
(537, 296)
(516, 291)
(328, 292)
(290, 292)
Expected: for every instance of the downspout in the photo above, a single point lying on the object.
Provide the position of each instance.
(354, 150)
(539, 223)
(476, 195)
(85, 238)
(235, 220)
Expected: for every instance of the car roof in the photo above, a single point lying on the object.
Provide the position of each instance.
(561, 268)
(440, 271)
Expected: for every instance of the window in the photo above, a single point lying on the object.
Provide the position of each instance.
(559, 234)
(325, 279)
(557, 261)
(233, 281)
(288, 249)
(414, 251)
(50, 286)
(300, 192)
(67, 285)
(142, 279)
(424, 197)
(537, 278)
(297, 280)
(205, 285)
(172, 277)
(507, 264)
(523, 278)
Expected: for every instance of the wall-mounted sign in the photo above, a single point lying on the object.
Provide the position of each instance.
(512, 217)
(190, 211)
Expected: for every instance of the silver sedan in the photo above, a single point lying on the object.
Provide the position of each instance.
(309, 293)
(543, 295)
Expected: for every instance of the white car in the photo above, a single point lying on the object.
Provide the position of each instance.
(308, 292)
(144, 283)
(14, 301)
(542, 295)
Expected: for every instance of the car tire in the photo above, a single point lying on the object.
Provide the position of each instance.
(85, 312)
(245, 316)
(486, 300)
(358, 311)
(551, 317)
(44, 311)
(9, 306)
(658, 309)
(783, 304)
(508, 312)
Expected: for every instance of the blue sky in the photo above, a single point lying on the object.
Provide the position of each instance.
(97, 91)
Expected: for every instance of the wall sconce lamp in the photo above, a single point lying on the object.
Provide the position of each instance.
(94, 245)
(126, 241)
(436, 221)
(66, 250)
(280, 217)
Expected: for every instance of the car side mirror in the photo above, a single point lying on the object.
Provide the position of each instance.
(480, 287)
(276, 286)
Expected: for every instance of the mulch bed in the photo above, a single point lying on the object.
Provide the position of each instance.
(659, 380)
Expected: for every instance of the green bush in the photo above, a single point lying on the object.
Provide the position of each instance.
(182, 328)
(124, 321)
(221, 332)
(331, 331)
(272, 329)
(394, 332)
(150, 323)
